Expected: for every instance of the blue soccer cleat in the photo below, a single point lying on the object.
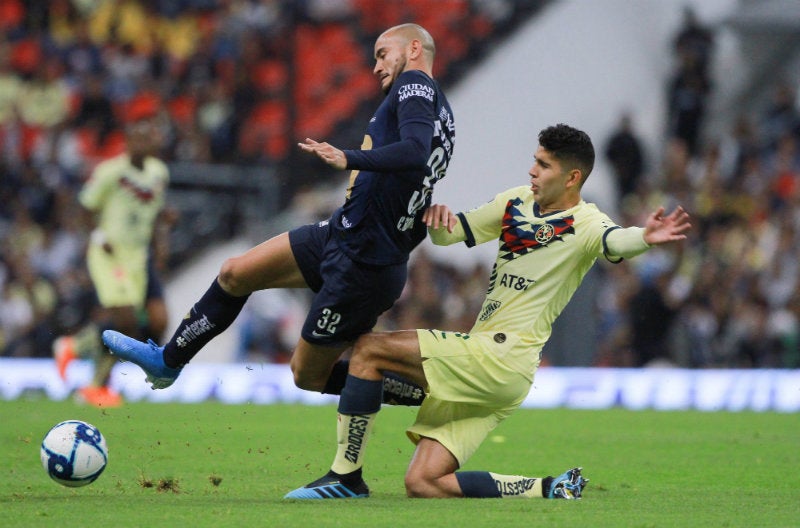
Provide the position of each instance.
(330, 487)
(149, 356)
(568, 485)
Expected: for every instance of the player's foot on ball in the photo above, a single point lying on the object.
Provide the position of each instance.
(149, 356)
(64, 354)
(331, 487)
(568, 485)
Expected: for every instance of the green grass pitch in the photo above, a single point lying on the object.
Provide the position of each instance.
(222, 465)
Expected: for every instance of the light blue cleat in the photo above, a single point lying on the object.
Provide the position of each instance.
(149, 356)
(330, 487)
(568, 485)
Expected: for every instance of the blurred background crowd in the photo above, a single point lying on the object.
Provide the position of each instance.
(238, 82)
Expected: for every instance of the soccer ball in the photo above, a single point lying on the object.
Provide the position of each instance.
(74, 453)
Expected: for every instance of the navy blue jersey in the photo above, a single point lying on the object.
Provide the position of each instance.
(406, 150)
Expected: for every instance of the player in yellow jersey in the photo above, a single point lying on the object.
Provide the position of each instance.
(548, 238)
(125, 195)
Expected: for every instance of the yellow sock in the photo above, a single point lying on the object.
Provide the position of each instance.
(511, 486)
(352, 433)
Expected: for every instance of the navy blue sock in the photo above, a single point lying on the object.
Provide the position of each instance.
(477, 484)
(396, 390)
(399, 391)
(209, 317)
(361, 396)
(547, 482)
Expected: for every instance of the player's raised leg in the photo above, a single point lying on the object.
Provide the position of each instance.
(268, 265)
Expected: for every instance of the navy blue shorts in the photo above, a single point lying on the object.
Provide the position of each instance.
(349, 296)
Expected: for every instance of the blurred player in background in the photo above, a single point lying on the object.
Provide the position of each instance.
(356, 261)
(125, 196)
(548, 239)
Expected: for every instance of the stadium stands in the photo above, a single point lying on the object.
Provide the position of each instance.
(235, 83)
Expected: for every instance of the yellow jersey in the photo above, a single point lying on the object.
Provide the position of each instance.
(541, 261)
(126, 199)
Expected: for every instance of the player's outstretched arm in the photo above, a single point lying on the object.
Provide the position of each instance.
(437, 216)
(660, 229)
(326, 152)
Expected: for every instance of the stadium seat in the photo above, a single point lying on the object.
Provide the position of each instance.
(377, 16)
(314, 125)
(114, 145)
(271, 76)
(266, 131)
(12, 13)
(313, 72)
(141, 106)
(26, 55)
(87, 138)
(271, 114)
(182, 108)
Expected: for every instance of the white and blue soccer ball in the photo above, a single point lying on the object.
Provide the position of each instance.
(74, 453)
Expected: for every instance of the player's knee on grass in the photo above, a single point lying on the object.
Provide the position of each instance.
(414, 488)
(420, 487)
(422, 481)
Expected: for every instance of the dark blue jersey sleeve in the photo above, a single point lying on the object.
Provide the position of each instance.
(406, 149)
(410, 153)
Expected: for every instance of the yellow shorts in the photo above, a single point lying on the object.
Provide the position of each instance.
(470, 388)
(119, 279)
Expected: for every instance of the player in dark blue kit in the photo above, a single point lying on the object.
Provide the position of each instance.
(356, 261)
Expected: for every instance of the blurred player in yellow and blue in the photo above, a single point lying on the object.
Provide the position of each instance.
(125, 196)
(548, 238)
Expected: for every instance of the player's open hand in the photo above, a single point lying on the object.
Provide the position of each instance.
(437, 216)
(661, 229)
(326, 152)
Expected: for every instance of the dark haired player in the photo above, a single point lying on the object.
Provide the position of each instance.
(547, 239)
(356, 261)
